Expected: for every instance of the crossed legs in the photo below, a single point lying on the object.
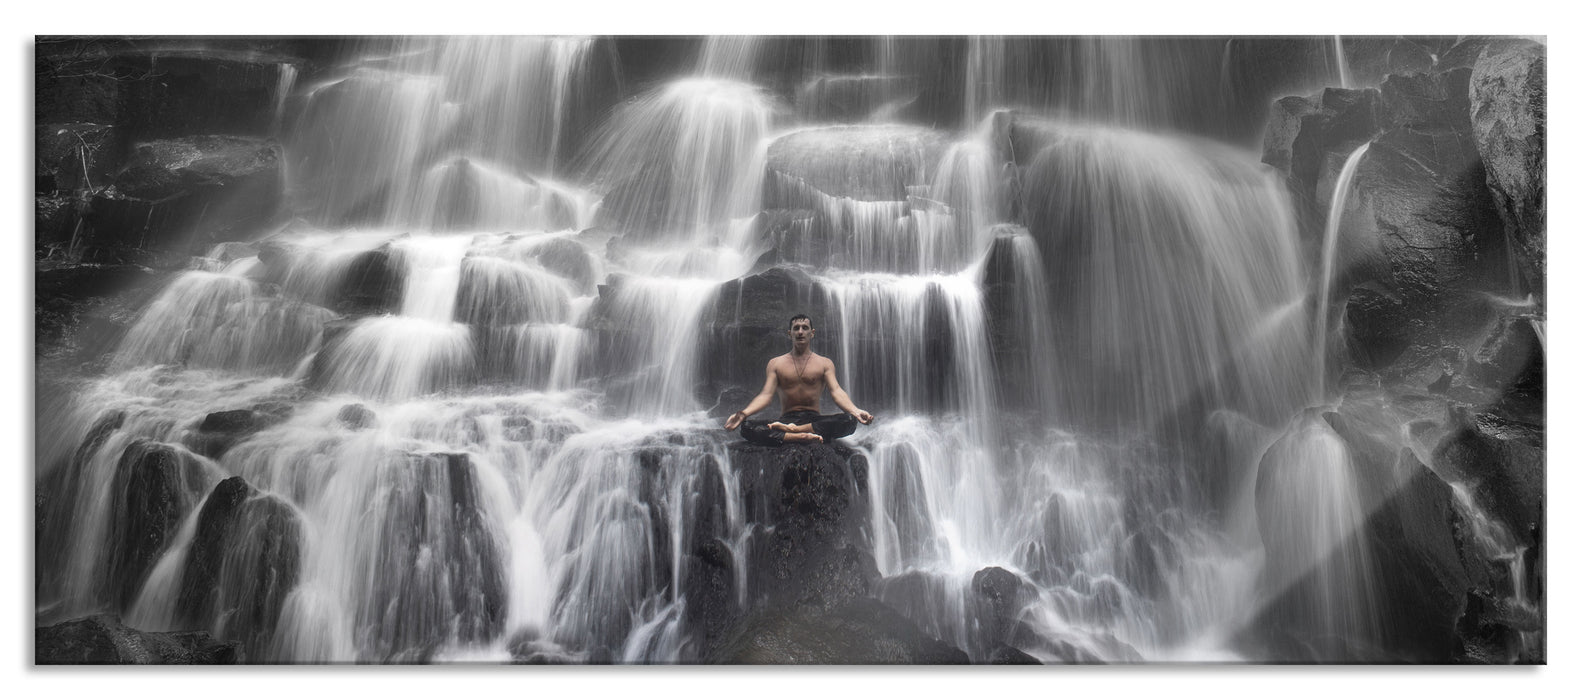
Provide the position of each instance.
(799, 426)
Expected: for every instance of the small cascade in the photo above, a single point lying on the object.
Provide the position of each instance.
(680, 162)
(283, 87)
(222, 321)
(397, 357)
(1342, 71)
(730, 57)
(1318, 575)
(1332, 224)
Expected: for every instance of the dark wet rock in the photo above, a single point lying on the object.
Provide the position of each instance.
(811, 503)
(72, 156)
(441, 562)
(1426, 100)
(862, 631)
(747, 325)
(187, 193)
(1490, 631)
(1302, 131)
(1011, 656)
(60, 488)
(1418, 542)
(568, 259)
(244, 560)
(1408, 57)
(374, 283)
(155, 486)
(102, 639)
(355, 416)
(866, 163)
(796, 236)
(853, 98)
(997, 586)
(1008, 305)
(999, 597)
(55, 221)
(222, 430)
(238, 420)
(81, 311)
(1377, 326)
(1510, 121)
(1501, 461)
(1511, 362)
(1435, 220)
(711, 591)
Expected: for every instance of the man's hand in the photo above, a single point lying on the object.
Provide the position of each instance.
(735, 420)
(863, 417)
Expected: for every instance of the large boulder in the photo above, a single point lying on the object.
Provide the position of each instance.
(221, 430)
(244, 559)
(860, 632)
(188, 193)
(440, 559)
(102, 639)
(865, 163)
(374, 283)
(1510, 121)
(811, 501)
(155, 486)
(1422, 100)
(1501, 461)
(1303, 132)
(1437, 227)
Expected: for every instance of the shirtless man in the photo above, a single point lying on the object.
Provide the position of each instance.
(801, 376)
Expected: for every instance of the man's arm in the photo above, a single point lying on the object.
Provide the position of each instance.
(840, 397)
(759, 402)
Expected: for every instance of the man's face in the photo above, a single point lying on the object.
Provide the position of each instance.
(801, 332)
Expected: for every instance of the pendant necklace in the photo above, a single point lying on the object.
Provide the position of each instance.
(800, 365)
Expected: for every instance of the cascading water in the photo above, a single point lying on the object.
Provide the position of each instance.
(462, 393)
(1332, 224)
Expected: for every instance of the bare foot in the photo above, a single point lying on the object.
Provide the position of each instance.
(803, 437)
(788, 428)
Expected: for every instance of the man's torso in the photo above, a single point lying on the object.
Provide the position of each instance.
(800, 380)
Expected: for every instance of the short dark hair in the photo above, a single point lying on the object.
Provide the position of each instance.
(794, 319)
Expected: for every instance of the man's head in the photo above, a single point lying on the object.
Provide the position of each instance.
(800, 330)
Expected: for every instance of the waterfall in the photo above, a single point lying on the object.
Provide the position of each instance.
(460, 409)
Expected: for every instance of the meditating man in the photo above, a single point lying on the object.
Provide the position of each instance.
(801, 376)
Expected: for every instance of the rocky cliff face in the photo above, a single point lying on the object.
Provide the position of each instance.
(1441, 275)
